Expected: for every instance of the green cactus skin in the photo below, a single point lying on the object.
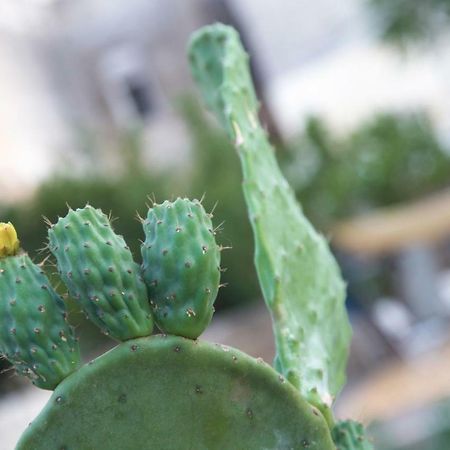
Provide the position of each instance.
(97, 267)
(181, 266)
(34, 333)
(168, 392)
(350, 435)
(300, 279)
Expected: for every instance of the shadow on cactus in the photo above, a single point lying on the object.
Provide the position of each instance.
(174, 391)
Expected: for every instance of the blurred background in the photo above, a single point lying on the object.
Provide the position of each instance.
(97, 105)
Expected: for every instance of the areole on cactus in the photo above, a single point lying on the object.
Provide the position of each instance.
(173, 391)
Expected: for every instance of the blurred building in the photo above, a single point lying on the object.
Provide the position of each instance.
(71, 71)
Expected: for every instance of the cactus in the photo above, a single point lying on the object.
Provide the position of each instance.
(180, 394)
(97, 267)
(181, 266)
(349, 435)
(173, 391)
(299, 277)
(34, 333)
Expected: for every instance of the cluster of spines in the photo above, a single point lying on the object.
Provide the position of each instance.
(98, 269)
(34, 333)
(181, 266)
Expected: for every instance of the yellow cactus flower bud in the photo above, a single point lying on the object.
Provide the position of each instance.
(9, 244)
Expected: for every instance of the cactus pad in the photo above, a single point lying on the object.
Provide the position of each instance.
(299, 277)
(34, 333)
(97, 267)
(181, 266)
(180, 394)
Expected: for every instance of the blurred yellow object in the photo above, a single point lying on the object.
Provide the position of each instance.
(394, 228)
(9, 244)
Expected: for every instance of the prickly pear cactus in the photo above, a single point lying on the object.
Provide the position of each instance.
(174, 392)
(350, 435)
(181, 266)
(156, 392)
(299, 277)
(97, 267)
(34, 334)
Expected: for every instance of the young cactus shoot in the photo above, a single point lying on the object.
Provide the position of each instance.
(34, 333)
(181, 266)
(98, 269)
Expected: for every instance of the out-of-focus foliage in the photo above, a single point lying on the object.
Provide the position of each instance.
(388, 160)
(404, 21)
(123, 194)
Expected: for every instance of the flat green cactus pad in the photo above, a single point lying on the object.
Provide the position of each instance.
(167, 392)
(299, 277)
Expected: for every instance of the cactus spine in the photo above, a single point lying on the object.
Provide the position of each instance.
(97, 267)
(34, 334)
(181, 266)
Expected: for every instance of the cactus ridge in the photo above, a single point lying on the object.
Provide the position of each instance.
(180, 394)
(34, 333)
(350, 435)
(98, 269)
(181, 266)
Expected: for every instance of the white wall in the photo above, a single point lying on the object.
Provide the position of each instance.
(31, 129)
(322, 57)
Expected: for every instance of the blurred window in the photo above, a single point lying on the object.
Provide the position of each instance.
(128, 86)
(139, 94)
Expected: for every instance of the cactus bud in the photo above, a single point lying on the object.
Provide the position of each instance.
(9, 244)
